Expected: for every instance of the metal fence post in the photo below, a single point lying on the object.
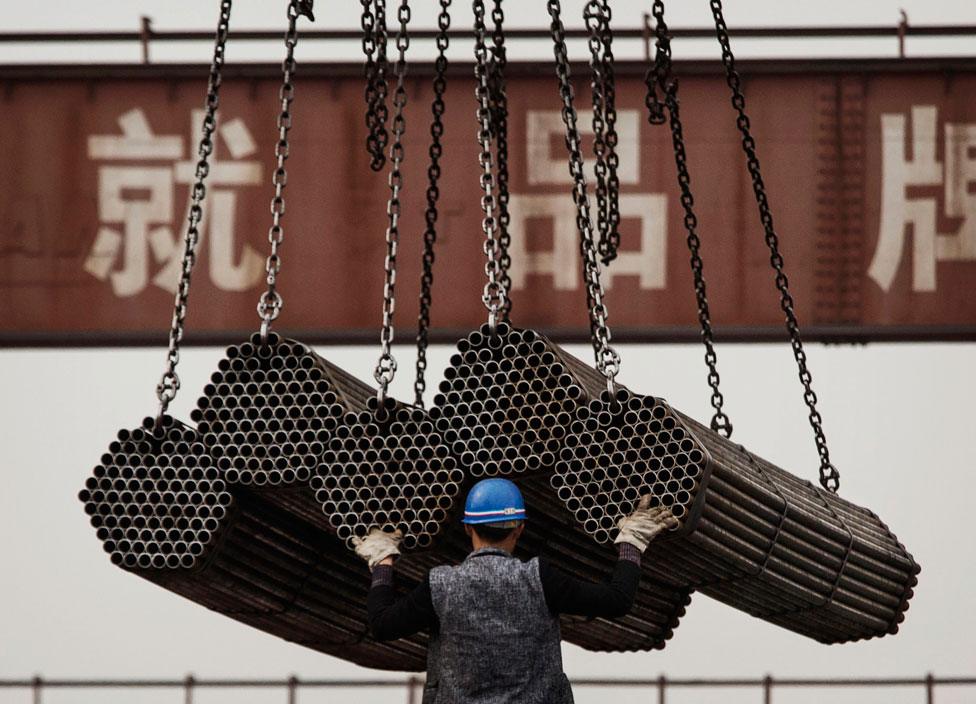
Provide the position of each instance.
(188, 689)
(902, 30)
(662, 689)
(145, 34)
(36, 689)
(768, 689)
(930, 688)
(413, 682)
(646, 34)
(292, 689)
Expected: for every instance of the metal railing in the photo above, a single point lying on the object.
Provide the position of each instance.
(644, 33)
(412, 686)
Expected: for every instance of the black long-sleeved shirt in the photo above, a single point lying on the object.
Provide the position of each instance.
(391, 617)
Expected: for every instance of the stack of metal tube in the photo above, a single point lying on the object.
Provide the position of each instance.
(506, 402)
(750, 534)
(787, 551)
(620, 449)
(156, 500)
(754, 536)
(162, 512)
(387, 467)
(251, 514)
(268, 414)
(505, 408)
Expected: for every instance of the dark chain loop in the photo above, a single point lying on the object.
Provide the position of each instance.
(269, 305)
(495, 293)
(596, 16)
(368, 23)
(169, 383)
(386, 366)
(433, 194)
(607, 359)
(373, 22)
(669, 88)
(829, 476)
(499, 112)
(659, 74)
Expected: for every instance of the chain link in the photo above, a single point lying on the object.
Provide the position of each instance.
(169, 383)
(269, 305)
(596, 16)
(659, 76)
(607, 359)
(495, 292)
(433, 194)
(386, 366)
(368, 22)
(373, 22)
(829, 476)
(499, 100)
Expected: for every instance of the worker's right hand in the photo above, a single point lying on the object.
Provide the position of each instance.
(378, 545)
(645, 524)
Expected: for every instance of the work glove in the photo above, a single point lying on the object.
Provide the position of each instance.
(378, 545)
(644, 524)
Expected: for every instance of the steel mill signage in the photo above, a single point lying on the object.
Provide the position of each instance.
(871, 176)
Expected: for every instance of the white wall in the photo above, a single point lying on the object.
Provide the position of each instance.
(897, 418)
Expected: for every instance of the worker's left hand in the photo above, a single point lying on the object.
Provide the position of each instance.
(645, 524)
(378, 545)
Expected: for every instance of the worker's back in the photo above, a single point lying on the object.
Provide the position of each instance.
(496, 643)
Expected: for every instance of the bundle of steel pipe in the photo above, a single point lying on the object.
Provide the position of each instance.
(388, 467)
(619, 449)
(505, 408)
(163, 513)
(832, 570)
(755, 537)
(268, 413)
(506, 402)
(155, 499)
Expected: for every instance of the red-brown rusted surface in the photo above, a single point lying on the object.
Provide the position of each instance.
(72, 228)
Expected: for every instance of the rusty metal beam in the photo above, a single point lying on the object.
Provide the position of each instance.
(853, 335)
(516, 69)
(812, 32)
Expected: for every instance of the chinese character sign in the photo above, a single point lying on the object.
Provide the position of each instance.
(871, 178)
(139, 173)
(954, 175)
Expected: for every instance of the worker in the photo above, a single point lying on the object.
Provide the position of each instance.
(494, 619)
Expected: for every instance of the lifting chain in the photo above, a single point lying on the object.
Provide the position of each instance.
(659, 76)
(495, 296)
(829, 476)
(433, 194)
(269, 305)
(607, 359)
(596, 16)
(386, 366)
(499, 100)
(169, 383)
(373, 22)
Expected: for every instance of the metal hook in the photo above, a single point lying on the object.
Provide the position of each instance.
(305, 9)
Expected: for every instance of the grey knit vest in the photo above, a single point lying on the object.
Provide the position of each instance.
(497, 642)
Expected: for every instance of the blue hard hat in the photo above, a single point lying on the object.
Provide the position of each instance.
(494, 501)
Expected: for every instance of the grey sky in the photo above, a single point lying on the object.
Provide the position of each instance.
(896, 416)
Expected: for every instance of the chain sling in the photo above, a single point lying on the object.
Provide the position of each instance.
(169, 383)
(433, 194)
